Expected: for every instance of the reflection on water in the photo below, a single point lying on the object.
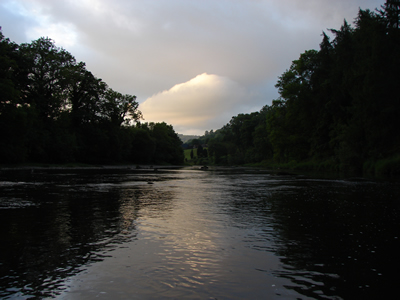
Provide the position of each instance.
(217, 234)
(340, 238)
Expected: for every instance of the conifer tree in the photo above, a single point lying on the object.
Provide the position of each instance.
(392, 13)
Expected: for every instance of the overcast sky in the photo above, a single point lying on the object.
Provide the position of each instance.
(191, 63)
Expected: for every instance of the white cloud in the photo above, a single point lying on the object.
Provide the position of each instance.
(197, 104)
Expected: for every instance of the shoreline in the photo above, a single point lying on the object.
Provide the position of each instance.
(130, 167)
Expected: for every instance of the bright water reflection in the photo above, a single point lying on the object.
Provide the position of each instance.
(191, 234)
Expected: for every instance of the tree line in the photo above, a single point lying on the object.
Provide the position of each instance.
(339, 106)
(53, 110)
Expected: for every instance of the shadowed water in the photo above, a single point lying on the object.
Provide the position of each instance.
(193, 234)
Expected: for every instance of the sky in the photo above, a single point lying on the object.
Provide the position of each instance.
(191, 63)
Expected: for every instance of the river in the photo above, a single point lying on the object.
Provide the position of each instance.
(221, 233)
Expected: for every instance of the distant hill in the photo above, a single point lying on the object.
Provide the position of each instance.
(184, 138)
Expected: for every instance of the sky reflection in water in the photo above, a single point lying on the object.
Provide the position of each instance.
(226, 234)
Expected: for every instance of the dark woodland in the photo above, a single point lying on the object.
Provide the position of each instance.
(53, 110)
(339, 109)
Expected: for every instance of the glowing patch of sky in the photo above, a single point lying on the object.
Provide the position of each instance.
(196, 103)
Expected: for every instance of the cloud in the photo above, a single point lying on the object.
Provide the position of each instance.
(56, 31)
(144, 47)
(193, 106)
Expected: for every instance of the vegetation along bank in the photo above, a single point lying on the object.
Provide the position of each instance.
(338, 109)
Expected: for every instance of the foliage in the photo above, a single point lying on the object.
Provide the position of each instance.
(53, 110)
(338, 107)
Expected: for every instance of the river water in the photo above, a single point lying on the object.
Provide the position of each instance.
(222, 233)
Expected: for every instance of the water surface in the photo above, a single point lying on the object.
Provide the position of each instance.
(193, 234)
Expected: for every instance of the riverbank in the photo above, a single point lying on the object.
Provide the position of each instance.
(87, 167)
(324, 169)
(379, 168)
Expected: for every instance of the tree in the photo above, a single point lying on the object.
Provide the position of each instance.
(84, 94)
(168, 145)
(8, 72)
(13, 116)
(47, 74)
(200, 151)
(53, 109)
(297, 117)
(143, 144)
(161, 141)
(117, 108)
(323, 107)
(391, 12)
(277, 131)
(262, 144)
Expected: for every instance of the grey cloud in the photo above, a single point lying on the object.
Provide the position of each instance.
(144, 47)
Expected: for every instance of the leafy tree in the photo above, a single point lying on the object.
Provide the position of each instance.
(324, 109)
(46, 69)
(261, 142)
(205, 152)
(277, 131)
(157, 143)
(117, 108)
(168, 144)
(143, 145)
(294, 112)
(13, 116)
(200, 151)
(84, 94)
(8, 72)
(53, 109)
(391, 12)
(338, 106)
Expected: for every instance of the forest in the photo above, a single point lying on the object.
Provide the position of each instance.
(339, 106)
(53, 110)
(338, 109)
